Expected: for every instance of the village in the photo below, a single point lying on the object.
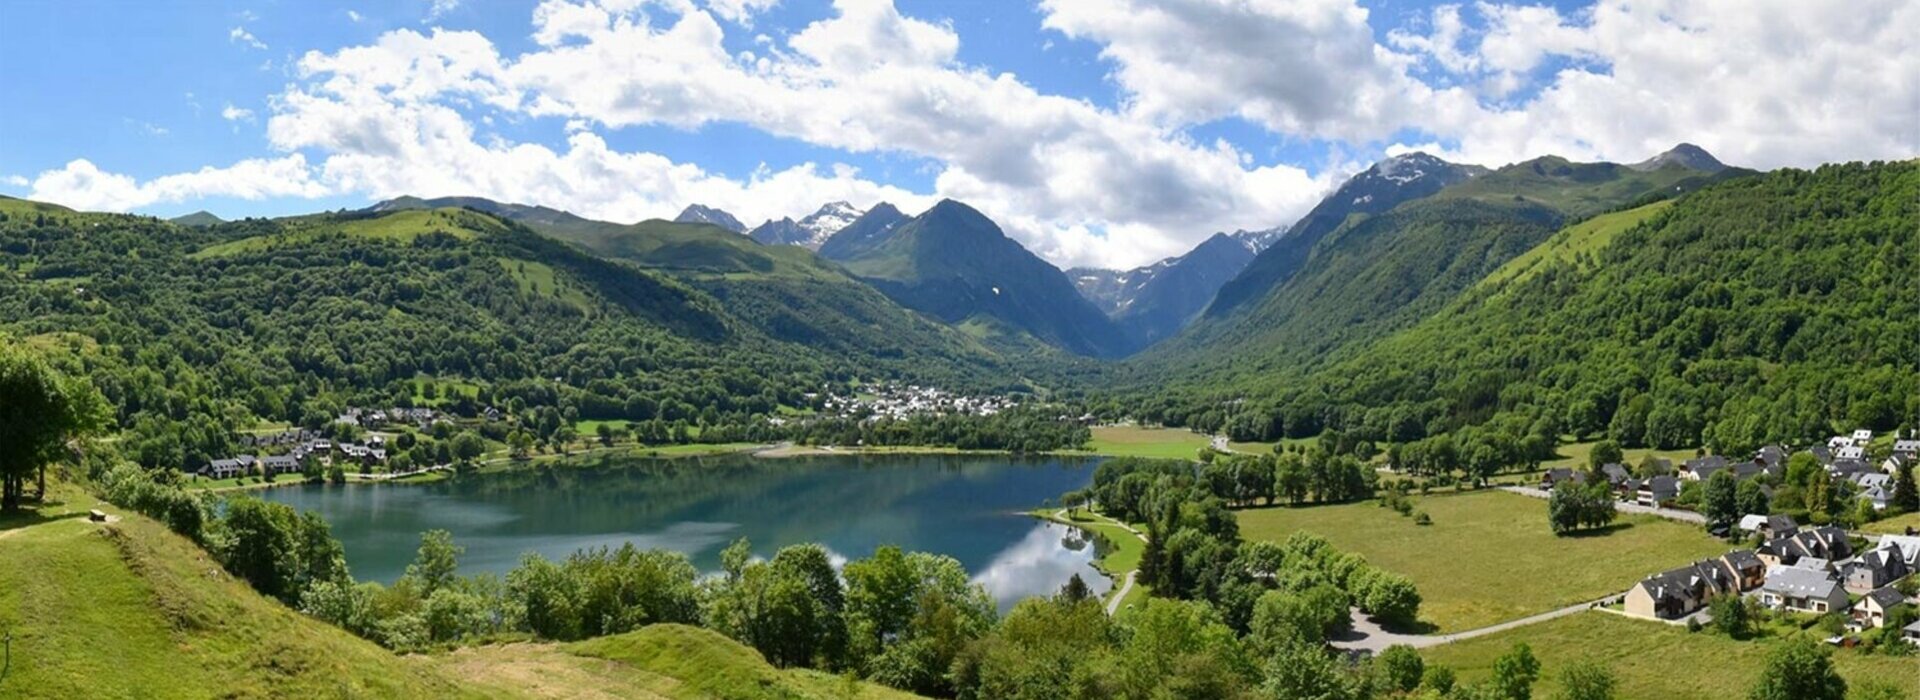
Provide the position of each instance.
(303, 450)
(1810, 573)
(876, 401)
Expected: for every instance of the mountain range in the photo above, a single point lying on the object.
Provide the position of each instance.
(810, 232)
(1155, 301)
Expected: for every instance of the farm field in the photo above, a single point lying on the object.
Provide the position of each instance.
(1654, 660)
(1488, 557)
(1136, 441)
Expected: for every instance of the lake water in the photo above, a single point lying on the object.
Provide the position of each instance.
(969, 508)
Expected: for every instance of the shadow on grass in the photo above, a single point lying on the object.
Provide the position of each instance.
(1416, 627)
(1599, 531)
(35, 516)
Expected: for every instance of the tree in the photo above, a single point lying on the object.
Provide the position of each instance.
(1605, 452)
(1401, 668)
(437, 562)
(1752, 498)
(1075, 590)
(1731, 616)
(1720, 501)
(1905, 497)
(1586, 680)
(468, 447)
(1515, 671)
(41, 413)
(1799, 669)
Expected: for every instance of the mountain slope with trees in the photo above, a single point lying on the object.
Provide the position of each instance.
(1767, 308)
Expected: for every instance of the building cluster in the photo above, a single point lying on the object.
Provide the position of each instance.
(1844, 457)
(1814, 571)
(305, 445)
(379, 417)
(897, 401)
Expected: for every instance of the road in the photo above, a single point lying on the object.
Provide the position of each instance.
(1370, 636)
(1685, 516)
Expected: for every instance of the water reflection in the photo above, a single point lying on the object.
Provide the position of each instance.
(1040, 563)
(964, 507)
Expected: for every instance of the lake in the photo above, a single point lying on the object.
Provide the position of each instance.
(966, 507)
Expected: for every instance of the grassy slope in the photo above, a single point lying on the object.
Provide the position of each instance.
(1571, 242)
(1651, 659)
(132, 610)
(401, 227)
(1134, 441)
(1488, 557)
(129, 609)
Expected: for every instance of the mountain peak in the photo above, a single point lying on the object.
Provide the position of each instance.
(703, 214)
(198, 218)
(810, 232)
(1685, 155)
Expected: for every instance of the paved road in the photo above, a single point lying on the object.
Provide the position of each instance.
(1369, 636)
(1126, 586)
(1685, 516)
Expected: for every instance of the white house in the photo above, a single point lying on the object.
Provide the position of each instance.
(1796, 589)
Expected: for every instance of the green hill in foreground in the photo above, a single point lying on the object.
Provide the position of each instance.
(129, 609)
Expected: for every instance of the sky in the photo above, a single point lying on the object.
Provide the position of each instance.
(1107, 133)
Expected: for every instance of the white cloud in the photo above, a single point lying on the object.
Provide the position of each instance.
(82, 185)
(1783, 83)
(240, 35)
(440, 8)
(14, 181)
(353, 17)
(236, 114)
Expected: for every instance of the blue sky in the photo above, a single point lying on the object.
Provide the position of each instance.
(1097, 131)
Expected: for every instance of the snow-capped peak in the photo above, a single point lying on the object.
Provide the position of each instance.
(822, 224)
(1407, 167)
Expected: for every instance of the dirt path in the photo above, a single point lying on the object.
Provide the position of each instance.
(1119, 594)
(1370, 636)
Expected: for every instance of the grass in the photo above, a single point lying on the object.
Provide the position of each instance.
(131, 610)
(1896, 525)
(539, 280)
(399, 227)
(1651, 659)
(1569, 244)
(1488, 557)
(1576, 454)
(1135, 441)
(1124, 549)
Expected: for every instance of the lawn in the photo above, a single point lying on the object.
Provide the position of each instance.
(1488, 557)
(1135, 441)
(1896, 525)
(1651, 659)
(1575, 454)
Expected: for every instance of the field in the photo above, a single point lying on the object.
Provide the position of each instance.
(1134, 441)
(1488, 557)
(1576, 455)
(1651, 659)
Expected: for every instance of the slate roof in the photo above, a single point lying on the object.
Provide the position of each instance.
(1800, 583)
(1886, 597)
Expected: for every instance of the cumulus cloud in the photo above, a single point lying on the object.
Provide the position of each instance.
(236, 114)
(14, 181)
(83, 185)
(240, 35)
(416, 112)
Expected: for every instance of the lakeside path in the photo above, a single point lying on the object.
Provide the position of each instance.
(1685, 516)
(1118, 595)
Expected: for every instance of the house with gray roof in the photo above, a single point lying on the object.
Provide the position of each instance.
(1874, 607)
(1769, 526)
(1826, 542)
(1874, 569)
(1658, 490)
(1680, 592)
(1795, 589)
(1702, 468)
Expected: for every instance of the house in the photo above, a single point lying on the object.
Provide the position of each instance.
(1908, 545)
(1911, 633)
(1896, 462)
(1829, 543)
(1873, 608)
(1909, 447)
(1824, 453)
(1769, 526)
(1701, 468)
(1556, 477)
(1847, 467)
(1851, 452)
(280, 464)
(1802, 590)
(224, 468)
(1616, 473)
(1680, 592)
(1773, 458)
(1657, 490)
(1875, 488)
(1874, 570)
(1747, 569)
(1862, 437)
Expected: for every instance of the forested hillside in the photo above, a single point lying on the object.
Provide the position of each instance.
(1376, 274)
(195, 333)
(785, 292)
(1775, 307)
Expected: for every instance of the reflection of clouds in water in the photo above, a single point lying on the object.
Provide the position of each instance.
(1038, 565)
(499, 553)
